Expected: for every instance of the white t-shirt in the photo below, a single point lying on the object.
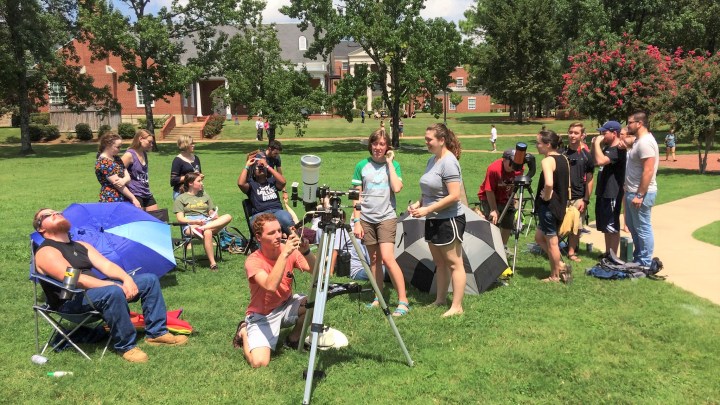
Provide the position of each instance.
(644, 147)
(493, 134)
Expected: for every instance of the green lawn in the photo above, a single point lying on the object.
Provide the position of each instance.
(709, 233)
(594, 341)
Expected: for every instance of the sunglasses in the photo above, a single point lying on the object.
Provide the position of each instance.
(43, 217)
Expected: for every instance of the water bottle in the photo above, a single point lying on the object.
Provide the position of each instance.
(69, 281)
(59, 373)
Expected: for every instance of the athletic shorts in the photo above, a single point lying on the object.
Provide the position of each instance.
(382, 232)
(547, 223)
(264, 330)
(507, 221)
(607, 214)
(147, 201)
(441, 232)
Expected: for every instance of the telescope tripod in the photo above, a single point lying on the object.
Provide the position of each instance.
(521, 186)
(315, 307)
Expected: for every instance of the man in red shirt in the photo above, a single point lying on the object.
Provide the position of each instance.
(272, 303)
(496, 190)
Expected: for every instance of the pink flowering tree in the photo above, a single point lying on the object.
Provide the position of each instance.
(691, 103)
(611, 81)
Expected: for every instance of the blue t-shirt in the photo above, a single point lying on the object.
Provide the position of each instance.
(263, 196)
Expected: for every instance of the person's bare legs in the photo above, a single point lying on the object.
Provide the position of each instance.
(387, 252)
(459, 279)
(294, 335)
(554, 257)
(573, 246)
(612, 242)
(442, 275)
(260, 356)
(376, 268)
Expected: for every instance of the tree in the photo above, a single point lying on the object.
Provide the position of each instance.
(517, 50)
(409, 53)
(261, 80)
(30, 34)
(456, 98)
(691, 103)
(613, 81)
(150, 46)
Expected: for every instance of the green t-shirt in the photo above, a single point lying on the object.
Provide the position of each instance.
(190, 204)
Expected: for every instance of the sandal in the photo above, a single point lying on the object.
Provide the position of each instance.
(550, 280)
(237, 341)
(214, 267)
(374, 304)
(400, 311)
(574, 257)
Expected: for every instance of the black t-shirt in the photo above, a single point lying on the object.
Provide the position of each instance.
(559, 198)
(611, 177)
(581, 163)
(77, 255)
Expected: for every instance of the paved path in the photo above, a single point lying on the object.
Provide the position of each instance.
(689, 263)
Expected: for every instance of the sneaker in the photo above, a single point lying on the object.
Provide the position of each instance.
(167, 339)
(135, 355)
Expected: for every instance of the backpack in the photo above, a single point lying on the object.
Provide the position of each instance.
(234, 243)
(611, 268)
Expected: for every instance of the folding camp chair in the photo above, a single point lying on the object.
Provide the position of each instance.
(183, 242)
(252, 244)
(64, 324)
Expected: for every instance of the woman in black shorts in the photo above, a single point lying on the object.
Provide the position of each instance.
(550, 203)
(445, 223)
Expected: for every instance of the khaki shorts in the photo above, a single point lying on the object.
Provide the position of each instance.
(576, 204)
(382, 232)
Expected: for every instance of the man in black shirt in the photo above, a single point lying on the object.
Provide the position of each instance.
(611, 178)
(110, 296)
(581, 179)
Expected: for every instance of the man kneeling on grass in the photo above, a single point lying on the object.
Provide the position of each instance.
(110, 296)
(272, 303)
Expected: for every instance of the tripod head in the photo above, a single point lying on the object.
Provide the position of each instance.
(522, 181)
(329, 205)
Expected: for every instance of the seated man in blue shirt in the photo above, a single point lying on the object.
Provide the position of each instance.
(261, 183)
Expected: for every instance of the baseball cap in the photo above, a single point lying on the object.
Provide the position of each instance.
(613, 126)
(509, 154)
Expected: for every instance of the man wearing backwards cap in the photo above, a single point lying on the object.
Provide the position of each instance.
(611, 178)
(496, 190)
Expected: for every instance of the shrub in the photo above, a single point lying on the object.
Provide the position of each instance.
(70, 136)
(157, 122)
(36, 132)
(40, 118)
(51, 132)
(104, 129)
(126, 130)
(213, 126)
(355, 113)
(83, 131)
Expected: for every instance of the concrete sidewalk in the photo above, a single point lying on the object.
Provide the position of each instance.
(689, 263)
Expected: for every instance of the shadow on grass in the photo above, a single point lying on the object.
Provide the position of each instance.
(494, 120)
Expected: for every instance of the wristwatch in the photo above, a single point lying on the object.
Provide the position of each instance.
(640, 196)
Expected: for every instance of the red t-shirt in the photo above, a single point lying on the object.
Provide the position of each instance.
(263, 301)
(498, 181)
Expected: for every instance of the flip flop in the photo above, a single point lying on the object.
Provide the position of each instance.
(374, 304)
(574, 258)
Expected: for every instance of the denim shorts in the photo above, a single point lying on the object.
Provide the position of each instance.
(546, 220)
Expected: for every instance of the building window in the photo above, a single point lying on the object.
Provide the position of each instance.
(345, 66)
(302, 43)
(453, 107)
(471, 103)
(56, 93)
(459, 82)
(139, 98)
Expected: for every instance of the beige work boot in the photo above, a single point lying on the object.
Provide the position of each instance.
(167, 339)
(135, 355)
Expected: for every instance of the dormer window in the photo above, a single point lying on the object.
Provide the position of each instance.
(302, 43)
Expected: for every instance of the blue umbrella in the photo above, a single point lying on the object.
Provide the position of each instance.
(126, 235)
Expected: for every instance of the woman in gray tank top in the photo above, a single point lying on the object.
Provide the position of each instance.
(135, 159)
(445, 221)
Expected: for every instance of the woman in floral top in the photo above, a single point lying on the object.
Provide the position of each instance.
(110, 171)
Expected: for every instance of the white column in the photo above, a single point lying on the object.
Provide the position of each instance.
(228, 113)
(198, 103)
(368, 93)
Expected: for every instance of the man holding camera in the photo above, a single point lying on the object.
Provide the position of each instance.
(272, 303)
(581, 180)
(611, 177)
(496, 190)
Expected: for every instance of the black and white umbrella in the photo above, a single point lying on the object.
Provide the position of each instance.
(483, 253)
